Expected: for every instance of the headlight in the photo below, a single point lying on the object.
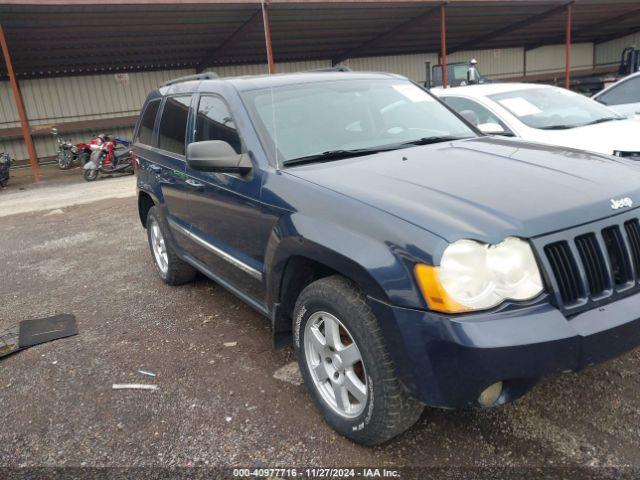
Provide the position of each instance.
(477, 276)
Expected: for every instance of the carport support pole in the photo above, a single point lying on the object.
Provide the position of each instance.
(24, 121)
(567, 62)
(443, 44)
(267, 39)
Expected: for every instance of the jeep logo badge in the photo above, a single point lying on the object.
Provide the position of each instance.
(621, 203)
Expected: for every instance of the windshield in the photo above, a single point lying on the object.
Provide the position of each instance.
(553, 108)
(307, 120)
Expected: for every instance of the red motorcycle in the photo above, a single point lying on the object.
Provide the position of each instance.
(112, 156)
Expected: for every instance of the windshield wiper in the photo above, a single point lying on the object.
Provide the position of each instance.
(434, 139)
(558, 127)
(333, 155)
(602, 120)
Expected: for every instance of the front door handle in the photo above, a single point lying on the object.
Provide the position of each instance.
(194, 184)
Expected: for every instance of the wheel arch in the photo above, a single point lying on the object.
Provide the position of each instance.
(145, 202)
(296, 265)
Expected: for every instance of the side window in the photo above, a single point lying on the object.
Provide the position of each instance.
(147, 121)
(625, 92)
(173, 124)
(474, 110)
(214, 122)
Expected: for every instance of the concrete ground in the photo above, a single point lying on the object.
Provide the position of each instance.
(221, 405)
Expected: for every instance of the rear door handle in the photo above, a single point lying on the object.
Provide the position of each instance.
(194, 184)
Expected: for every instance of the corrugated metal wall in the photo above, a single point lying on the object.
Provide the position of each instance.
(49, 101)
(57, 100)
(608, 53)
(551, 58)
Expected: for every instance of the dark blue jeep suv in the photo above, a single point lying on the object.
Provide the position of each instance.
(409, 259)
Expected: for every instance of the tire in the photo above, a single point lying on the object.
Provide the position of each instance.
(386, 409)
(172, 269)
(65, 161)
(90, 175)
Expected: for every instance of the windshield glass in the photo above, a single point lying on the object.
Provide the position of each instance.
(549, 108)
(297, 121)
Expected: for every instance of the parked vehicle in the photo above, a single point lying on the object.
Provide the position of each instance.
(67, 156)
(622, 96)
(545, 114)
(111, 158)
(5, 165)
(408, 258)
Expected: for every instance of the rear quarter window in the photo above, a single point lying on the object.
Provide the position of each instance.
(147, 121)
(173, 124)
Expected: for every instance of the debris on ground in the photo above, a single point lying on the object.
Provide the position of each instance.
(147, 373)
(133, 386)
(290, 373)
(230, 344)
(29, 333)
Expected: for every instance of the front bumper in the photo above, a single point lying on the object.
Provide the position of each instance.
(447, 361)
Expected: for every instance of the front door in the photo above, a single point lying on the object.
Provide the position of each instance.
(228, 227)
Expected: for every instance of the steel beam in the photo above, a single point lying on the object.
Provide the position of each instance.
(252, 22)
(443, 44)
(17, 96)
(508, 29)
(383, 37)
(593, 27)
(567, 65)
(267, 38)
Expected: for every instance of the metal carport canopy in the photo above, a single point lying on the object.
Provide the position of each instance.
(51, 37)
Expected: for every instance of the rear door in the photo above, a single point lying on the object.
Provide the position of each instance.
(167, 160)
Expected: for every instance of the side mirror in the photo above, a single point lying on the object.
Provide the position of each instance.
(491, 128)
(217, 156)
(54, 131)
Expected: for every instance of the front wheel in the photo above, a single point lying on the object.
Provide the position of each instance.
(345, 365)
(90, 175)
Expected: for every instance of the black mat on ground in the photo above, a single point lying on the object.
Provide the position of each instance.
(42, 330)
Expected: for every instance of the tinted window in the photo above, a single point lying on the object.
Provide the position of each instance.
(214, 122)
(145, 131)
(625, 92)
(173, 124)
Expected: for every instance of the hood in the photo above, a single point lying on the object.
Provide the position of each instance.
(604, 138)
(484, 188)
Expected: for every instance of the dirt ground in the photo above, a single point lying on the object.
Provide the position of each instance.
(220, 405)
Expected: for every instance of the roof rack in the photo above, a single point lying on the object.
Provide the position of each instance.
(189, 78)
(337, 68)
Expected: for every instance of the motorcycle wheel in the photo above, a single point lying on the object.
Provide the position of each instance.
(90, 175)
(65, 161)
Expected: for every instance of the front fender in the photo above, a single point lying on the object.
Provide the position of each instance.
(382, 270)
(91, 165)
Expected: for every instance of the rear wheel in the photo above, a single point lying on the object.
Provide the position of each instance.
(171, 268)
(345, 365)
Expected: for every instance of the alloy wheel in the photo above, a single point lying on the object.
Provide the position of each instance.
(335, 364)
(159, 247)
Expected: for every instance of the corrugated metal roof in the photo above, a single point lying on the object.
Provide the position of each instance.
(51, 37)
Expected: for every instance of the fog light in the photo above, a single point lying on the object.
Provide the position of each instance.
(490, 394)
